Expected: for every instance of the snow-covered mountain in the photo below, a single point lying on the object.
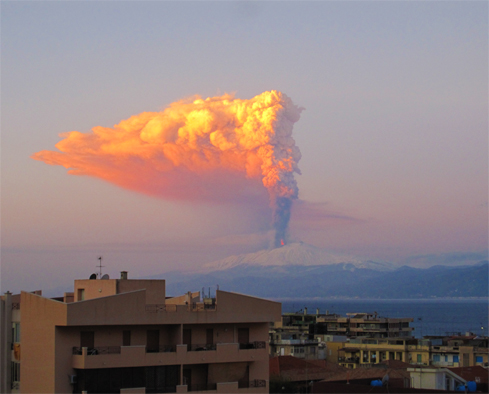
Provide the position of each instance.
(297, 253)
(300, 270)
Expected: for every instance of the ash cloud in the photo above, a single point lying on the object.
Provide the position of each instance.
(219, 149)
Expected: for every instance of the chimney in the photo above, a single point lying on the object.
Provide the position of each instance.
(124, 275)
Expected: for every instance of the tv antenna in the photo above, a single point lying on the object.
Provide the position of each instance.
(100, 266)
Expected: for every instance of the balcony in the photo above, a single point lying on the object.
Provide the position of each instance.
(140, 356)
(444, 363)
(93, 351)
(349, 360)
(162, 349)
(252, 386)
(202, 387)
(253, 345)
(201, 348)
(193, 307)
(288, 342)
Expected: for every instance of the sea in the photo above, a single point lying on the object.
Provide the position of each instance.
(437, 316)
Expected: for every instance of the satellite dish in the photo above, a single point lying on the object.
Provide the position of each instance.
(93, 276)
(105, 277)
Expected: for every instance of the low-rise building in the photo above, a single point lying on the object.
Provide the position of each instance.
(300, 348)
(438, 352)
(362, 352)
(122, 335)
(365, 325)
(435, 378)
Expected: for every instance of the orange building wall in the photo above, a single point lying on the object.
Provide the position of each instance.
(39, 315)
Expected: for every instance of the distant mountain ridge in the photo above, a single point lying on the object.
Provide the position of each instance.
(338, 280)
(301, 271)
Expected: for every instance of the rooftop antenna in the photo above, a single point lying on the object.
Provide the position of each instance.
(100, 266)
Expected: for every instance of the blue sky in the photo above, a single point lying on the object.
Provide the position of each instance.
(393, 137)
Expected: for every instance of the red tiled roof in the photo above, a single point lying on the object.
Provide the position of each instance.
(368, 373)
(471, 373)
(296, 369)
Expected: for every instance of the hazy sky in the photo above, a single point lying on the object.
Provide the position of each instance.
(393, 137)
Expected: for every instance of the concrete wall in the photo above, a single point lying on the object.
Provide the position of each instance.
(181, 300)
(332, 351)
(155, 289)
(227, 372)
(94, 288)
(38, 320)
(124, 309)
(250, 308)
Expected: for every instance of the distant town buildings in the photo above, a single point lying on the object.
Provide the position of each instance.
(363, 342)
(126, 336)
(305, 335)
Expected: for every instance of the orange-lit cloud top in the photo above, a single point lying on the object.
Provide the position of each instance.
(193, 149)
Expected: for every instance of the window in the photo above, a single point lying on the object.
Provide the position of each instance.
(87, 339)
(436, 357)
(418, 358)
(81, 294)
(15, 332)
(126, 338)
(15, 371)
(446, 358)
(153, 341)
(479, 359)
(455, 359)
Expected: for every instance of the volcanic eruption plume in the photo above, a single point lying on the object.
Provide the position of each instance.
(195, 149)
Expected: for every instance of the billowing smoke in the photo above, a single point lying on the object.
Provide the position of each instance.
(196, 149)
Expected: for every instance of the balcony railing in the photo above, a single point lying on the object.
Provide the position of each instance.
(161, 349)
(154, 308)
(351, 360)
(253, 345)
(203, 306)
(200, 347)
(93, 351)
(193, 307)
(202, 387)
(167, 389)
(245, 384)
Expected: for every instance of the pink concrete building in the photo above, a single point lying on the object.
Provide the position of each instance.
(126, 336)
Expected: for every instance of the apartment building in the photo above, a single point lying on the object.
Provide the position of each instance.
(460, 351)
(126, 336)
(353, 325)
(467, 351)
(369, 325)
(362, 352)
